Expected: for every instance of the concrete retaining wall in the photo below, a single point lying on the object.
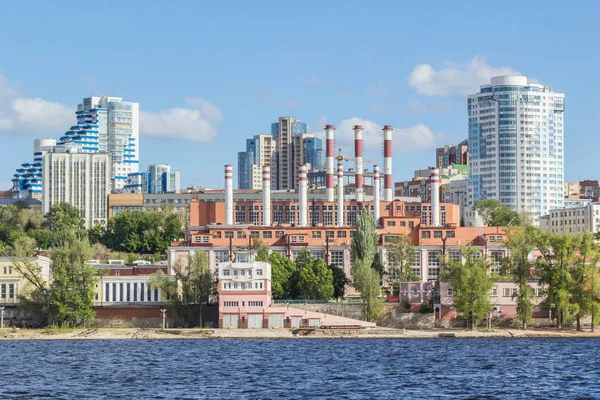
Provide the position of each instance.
(354, 311)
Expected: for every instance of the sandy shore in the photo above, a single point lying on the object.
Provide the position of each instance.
(144, 334)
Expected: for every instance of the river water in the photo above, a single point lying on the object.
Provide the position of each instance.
(301, 369)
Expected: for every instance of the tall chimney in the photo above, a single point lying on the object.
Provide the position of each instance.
(387, 163)
(228, 195)
(303, 194)
(329, 131)
(266, 195)
(340, 194)
(376, 193)
(435, 197)
(358, 159)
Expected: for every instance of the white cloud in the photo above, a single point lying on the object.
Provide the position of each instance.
(23, 115)
(455, 80)
(196, 124)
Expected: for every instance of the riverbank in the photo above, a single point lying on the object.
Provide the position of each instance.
(132, 333)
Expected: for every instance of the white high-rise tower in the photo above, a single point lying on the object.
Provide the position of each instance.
(516, 145)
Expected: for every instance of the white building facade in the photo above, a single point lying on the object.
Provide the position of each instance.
(516, 145)
(80, 179)
(576, 217)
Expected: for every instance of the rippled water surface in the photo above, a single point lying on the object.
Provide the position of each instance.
(299, 369)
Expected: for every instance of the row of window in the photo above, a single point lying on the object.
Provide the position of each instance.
(242, 272)
(236, 304)
(243, 285)
(437, 234)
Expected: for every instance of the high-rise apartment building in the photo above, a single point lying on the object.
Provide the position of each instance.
(109, 125)
(27, 181)
(307, 149)
(516, 145)
(451, 155)
(104, 124)
(81, 179)
(283, 133)
(259, 152)
(159, 178)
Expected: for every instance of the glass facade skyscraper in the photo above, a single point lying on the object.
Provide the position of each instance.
(516, 145)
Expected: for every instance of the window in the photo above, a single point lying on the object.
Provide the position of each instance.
(254, 217)
(450, 292)
(221, 255)
(230, 304)
(495, 291)
(267, 234)
(319, 254)
(416, 271)
(254, 234)
(240, 217)
(259, 272)
(391, 223)
(278, 234)
(329, 234)
(226, 272)
(417, 261)
(411, 224)
(433, 273)
(327, 218)
(433, 258)
(337, 258)
(506, 292)
(3, 290)
(341, 234)
(351, 218)
(450, 234)
(491, 239)
(454, 255)
(316, 235)
(241, 235)
(437, 234)
(426, 234)
(278, 216)
(496, 257)
(228, 235)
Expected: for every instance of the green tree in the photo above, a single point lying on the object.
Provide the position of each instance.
(558, 254)
(282, 271)
(471, 284)
(140, 232)
(315, 280)
(189, 289)
(43, 237)
(583, 278)
(340, 281)
(519, 267)
(401, 256)
(74, 281)
(364, 278)
(64, 217)
(495, 213)
(261, 251)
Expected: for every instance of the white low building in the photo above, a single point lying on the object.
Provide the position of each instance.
(576, 217)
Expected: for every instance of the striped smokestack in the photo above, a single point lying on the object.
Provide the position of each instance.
(387, 163)
(376, 193)
(435, 197)
(358, 159)
(340, 188)
(228, 195)
(329, 131)
(303, 194)
(266, 195)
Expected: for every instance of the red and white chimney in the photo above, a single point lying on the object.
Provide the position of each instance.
(340, 193)
(266, 195)
(303, 194)
(358, 159)
(376, 193)
(388, 193)
(228, 195)
(435, 196)
(329, 187)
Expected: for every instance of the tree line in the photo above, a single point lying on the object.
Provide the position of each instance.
(565, 271)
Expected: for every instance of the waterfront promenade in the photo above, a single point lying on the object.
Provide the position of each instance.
(133, 333)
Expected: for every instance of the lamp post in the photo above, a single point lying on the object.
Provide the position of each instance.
(164, 316)
(1, 317)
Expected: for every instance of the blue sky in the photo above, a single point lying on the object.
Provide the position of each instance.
(208, 75)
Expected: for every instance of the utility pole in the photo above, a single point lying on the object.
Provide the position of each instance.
(164, 316)
(1, 317)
